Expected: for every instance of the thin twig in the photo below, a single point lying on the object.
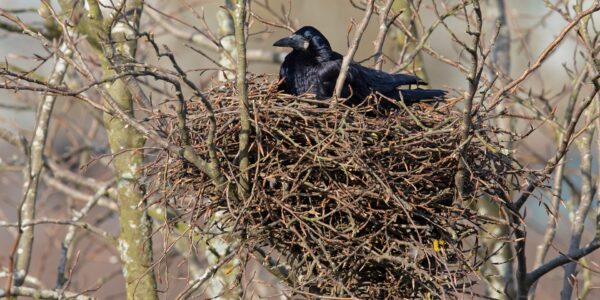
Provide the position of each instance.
(341, 80)
(509, 88)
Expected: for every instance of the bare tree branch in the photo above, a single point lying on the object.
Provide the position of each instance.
(473, 79)
(497, 97)
(339, 84)
(32, 173)
(384, 26)
(41, 294)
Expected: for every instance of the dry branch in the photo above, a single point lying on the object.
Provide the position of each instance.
(339, 84)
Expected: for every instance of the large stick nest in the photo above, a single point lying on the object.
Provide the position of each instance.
(360, 202)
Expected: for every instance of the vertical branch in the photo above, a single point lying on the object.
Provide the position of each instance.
(498, 269)
(65, 249)
(227, 49)
(406, 44)
(597, 233)
(501, 51)
(32, 174)
(242, 89)
(135, 243)
(501, 59)
(384, 27)
(552, 223)
(527, 279)
(223, 282)
(339, 84)
(584, 146)
(473, 79)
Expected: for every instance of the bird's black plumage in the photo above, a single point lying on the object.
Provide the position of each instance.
(313, 67)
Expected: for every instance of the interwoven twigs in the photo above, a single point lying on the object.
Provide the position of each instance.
(361, 201)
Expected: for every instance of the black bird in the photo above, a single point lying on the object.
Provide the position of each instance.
(313, 67)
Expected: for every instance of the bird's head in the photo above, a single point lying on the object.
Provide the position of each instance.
(306, 38)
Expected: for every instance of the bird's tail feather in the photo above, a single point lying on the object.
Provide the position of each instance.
(416, 95)
(406, 79)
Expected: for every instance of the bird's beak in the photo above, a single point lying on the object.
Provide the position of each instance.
(292, 41)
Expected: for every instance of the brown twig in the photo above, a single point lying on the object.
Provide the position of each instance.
(384, 26)
(341, 80)
(509, 88)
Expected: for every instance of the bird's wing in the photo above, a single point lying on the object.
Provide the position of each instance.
(362, 81)
(416, 95)
(328, 73)
(380, 81)
(283, 74)
(354, 86)
(365, 80)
